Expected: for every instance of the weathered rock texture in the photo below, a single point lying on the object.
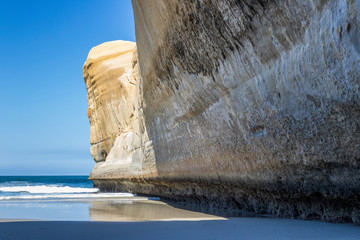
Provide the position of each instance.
(111, 85)
(252, 104)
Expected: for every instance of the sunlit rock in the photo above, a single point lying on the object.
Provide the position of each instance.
(247, 104)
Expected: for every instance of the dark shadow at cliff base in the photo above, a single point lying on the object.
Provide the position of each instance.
(265, 200)
(206, 208)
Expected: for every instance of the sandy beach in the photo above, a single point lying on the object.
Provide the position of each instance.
(141, 218)
(103, 216)
(233, 228)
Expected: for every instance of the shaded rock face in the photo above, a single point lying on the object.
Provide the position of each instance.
(247, 104)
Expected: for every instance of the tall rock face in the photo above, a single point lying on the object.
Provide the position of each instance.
(247, 104)
(110, 77)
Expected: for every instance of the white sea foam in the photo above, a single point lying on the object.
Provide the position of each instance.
(48, 189)
(68, 196)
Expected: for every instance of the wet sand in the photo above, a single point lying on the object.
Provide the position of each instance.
(233, 228)
(112, 209)
(140, 218)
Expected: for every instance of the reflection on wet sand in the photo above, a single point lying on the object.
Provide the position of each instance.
(141, 209)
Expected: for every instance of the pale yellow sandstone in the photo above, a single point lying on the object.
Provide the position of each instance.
(111, 91)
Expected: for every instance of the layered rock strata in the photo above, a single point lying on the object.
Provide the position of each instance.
(247, 104)
(110, 79)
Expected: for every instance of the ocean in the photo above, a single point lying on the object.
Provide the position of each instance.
(50, 187)
(54, 198)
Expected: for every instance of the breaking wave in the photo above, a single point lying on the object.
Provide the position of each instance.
(48, 189)
(52, 187)
(68, 196)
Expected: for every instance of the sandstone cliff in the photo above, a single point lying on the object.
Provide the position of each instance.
(248, 104)
(111, 85)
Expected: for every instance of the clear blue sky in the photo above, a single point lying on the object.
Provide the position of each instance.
(44, 128)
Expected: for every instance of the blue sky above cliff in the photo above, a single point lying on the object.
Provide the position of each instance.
(44, 128)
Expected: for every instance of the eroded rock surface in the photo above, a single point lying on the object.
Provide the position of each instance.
(111, 85)
(247, 104)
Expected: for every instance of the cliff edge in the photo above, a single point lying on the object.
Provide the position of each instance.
(244, 104)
